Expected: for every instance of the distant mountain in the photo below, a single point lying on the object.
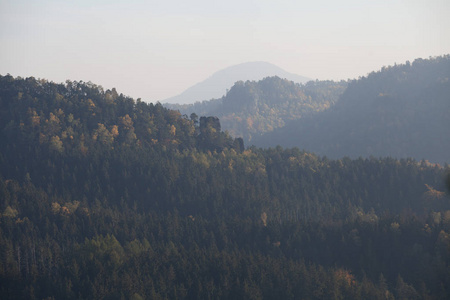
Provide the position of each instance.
(253, 108)
(401, 111)
(217, 85)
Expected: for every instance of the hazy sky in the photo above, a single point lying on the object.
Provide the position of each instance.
(156, 49)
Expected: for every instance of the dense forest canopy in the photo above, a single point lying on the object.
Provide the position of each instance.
(400, 111)
(105, 197)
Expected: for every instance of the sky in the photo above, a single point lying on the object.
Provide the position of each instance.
(156, 49)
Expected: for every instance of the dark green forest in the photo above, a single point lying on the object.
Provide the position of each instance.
(399, 111)
(107, 197)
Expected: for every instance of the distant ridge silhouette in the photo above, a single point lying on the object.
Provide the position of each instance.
(217, 84)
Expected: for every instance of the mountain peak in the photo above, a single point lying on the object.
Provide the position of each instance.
(217, 84)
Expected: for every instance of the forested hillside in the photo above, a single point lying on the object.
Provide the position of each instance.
(252, 108)
(400, 111)
(105, 197)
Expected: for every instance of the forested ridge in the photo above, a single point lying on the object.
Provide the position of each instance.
(106, 197)
(252, 108)
(399, 111)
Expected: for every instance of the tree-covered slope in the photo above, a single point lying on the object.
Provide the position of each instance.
(104, 197)
(252, 108)
(401, 111)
